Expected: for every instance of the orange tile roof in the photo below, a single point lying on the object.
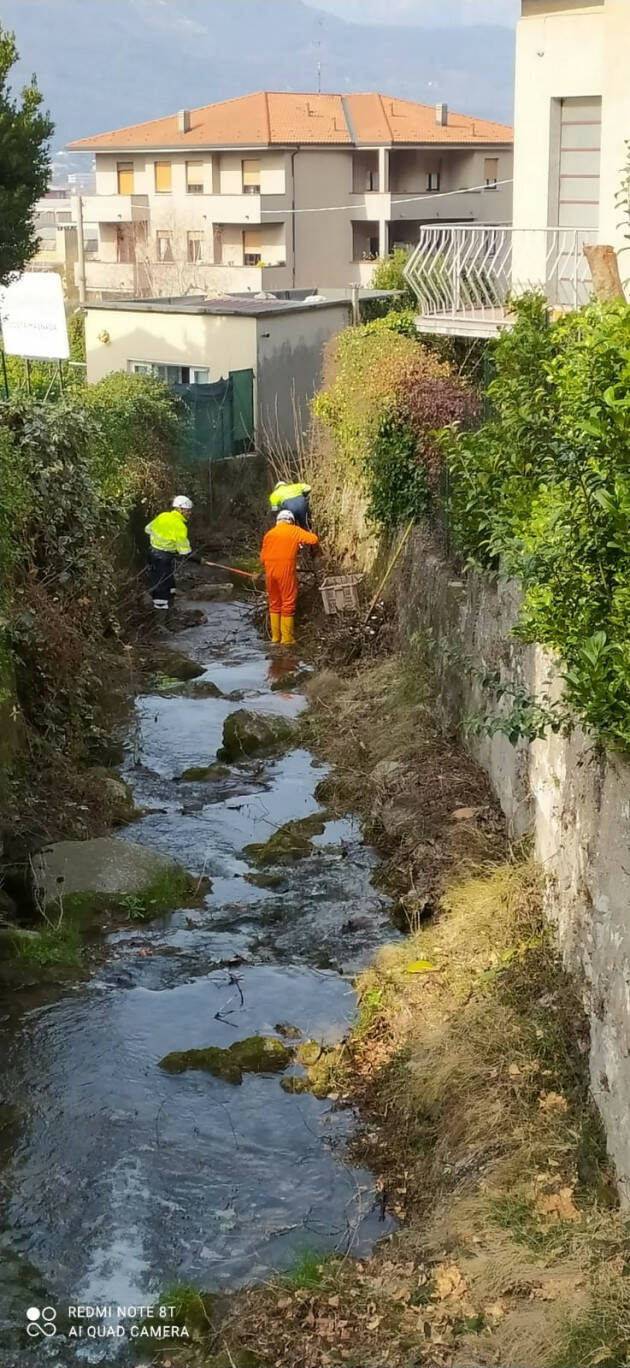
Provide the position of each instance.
(280, 119)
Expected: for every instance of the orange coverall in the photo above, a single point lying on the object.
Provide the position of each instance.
(279, 556)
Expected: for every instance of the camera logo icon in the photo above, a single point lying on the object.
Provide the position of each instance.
(41, 1321)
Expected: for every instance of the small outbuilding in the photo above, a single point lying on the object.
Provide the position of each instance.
(259, 359)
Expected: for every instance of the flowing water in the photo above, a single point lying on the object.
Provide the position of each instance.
(119, 1179)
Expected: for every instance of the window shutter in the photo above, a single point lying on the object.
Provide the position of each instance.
(194, 178)
(491, 169)
(125, 178)
(251, 175)
(163, 177)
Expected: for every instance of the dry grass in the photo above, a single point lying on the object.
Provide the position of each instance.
(469, 1068)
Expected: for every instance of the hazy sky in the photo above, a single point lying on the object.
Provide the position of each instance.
(433, 12)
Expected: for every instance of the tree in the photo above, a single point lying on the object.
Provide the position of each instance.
(25, 130)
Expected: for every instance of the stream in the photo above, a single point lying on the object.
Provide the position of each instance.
(119, 1179)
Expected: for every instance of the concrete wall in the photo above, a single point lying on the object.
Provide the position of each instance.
(570, 52)
(573, 798)
(220, 342)
(289, 368)
(323, 242)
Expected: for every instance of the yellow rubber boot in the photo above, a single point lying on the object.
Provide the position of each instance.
(276, 634)
(288, 638)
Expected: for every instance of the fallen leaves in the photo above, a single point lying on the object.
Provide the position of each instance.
(559, 1206)
(448, 1280)
(553, 1102)
(421, 967)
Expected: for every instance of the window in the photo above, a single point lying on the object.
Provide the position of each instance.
(195, 247)
(163, 178)
(433, 180)
(124, 172)
(491, 172)
(172, 375)
(194, 178)
(251, 177)
(164, 245)
(252, 254)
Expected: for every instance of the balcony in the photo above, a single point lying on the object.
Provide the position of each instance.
(150, 279)
(464, 278)
(116, 208)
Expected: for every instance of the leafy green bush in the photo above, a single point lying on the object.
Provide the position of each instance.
(389, 275)
(140, 427)
(543, 490)
(388, 395)
(70, 473)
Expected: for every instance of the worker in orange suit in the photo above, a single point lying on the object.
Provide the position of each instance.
(279, 556)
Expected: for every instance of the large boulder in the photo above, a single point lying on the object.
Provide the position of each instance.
(249, 733)
(109, 874)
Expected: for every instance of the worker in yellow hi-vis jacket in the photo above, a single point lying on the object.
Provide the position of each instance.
(168, 540)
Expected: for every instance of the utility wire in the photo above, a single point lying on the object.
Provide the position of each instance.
(411, 199)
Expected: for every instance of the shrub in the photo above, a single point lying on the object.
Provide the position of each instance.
(388, 395)
(71, 472)
(140, 428)
(389, 275)
(543, 489)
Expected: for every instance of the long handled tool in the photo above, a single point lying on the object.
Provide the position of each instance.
(403, 542)
(231, 569)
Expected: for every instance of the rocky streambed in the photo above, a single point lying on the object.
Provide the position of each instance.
(155, 1130)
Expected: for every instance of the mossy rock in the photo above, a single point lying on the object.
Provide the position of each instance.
(291, 681)
(175, 664)
(117, 795)
(195, 688)
(294, 1084)
(256, 1054)
(43, 949)
(277, 882)
(203, 774)
(309, 1053)
(287, 845)
(249, 733)
(288, 1031)
(201, 688)
(326, 790)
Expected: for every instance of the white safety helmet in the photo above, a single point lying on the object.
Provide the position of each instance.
(182, 503)
(285, 517)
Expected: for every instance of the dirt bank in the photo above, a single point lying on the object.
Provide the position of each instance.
(469, 1066)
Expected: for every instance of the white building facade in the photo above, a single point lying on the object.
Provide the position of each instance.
(279, 191)
(572, 120)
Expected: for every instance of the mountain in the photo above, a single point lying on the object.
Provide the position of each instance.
(102, 66)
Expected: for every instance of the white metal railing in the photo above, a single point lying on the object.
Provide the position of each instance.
(460, 271)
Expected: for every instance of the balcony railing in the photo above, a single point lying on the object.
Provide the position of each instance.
(464, 278)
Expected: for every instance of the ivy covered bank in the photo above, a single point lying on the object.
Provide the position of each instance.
(71, 473)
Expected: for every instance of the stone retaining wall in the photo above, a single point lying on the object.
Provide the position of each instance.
(573, 799)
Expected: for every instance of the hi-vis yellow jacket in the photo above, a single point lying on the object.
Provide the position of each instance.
(287, 491)
(168, 532)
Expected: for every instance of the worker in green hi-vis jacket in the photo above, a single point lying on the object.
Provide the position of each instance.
(168, 540)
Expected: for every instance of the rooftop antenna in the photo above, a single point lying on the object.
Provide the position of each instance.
(320, 23)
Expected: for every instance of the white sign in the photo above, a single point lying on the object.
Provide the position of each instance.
(33, 317)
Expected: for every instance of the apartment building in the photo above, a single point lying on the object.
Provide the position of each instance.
(275, 191)
(572, 119)
(55, 222)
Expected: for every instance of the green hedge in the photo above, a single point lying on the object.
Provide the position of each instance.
(387, 396)
(543, 490)
(70, 473)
